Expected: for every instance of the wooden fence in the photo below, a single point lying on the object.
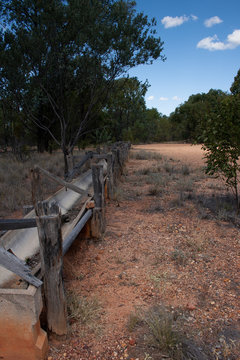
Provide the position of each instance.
(49, 224)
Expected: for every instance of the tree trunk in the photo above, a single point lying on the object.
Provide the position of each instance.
(66, 166)
(42, 140)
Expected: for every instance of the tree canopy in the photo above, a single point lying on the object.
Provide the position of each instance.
(235, 87)
(186, 120)
(59, 60)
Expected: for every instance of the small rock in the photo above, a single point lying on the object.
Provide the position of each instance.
(132, 342)
(191, 306)
(90, 205)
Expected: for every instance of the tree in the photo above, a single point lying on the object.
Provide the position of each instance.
(221, 141)
(235, 88)
(125, 105)
(189, 115)
(55, 68)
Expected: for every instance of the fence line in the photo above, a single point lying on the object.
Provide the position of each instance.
(48, 221)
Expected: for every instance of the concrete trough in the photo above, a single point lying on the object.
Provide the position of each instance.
(21, 336)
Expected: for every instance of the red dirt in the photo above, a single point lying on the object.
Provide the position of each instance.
(156, 253)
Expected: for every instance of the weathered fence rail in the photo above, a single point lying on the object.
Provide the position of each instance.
(14, 264)
(14, 224)
(17, 224)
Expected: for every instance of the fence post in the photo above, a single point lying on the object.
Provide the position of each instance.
(115, 166)
(50, 240)
(98, 218)
(109, 175)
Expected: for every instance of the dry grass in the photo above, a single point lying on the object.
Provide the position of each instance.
(82, 309)
(15, 185)
(83, 313)
(145, 155)
(161, 331)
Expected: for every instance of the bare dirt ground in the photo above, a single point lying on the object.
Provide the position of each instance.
(170, 251)
(188, 154)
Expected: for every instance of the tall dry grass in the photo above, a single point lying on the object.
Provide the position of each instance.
(15, 183)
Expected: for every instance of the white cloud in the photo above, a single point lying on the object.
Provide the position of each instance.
(176, 98)
(194, 17)
(212, 43)
(234, 39)
(150, 98)
(169, 21)
(162, 98)
(212, 21)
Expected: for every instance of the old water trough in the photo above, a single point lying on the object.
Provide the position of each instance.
(21, 335)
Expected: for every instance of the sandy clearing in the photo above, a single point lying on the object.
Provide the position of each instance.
(186, 153)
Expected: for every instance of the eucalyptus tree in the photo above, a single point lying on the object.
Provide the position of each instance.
(235, 87)
(125, 106)
(186, 120)
(59, 59)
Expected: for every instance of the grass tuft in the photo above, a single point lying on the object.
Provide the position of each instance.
(179, 257)
(163, 333)
(82, 309)
(134, 320)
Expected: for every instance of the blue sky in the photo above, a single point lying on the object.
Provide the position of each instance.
(202, 46)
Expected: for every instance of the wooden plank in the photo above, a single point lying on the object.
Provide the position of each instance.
(98, 185)
(75, 232)
(98, 218)
(58, 180)
(110, 182)
(13, 224)
(25, 223)
(115, 166)
(100, 156)
(18, 267)
(50, 242)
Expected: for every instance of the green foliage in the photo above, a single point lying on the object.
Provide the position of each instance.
(221, 141)
(235, 87)
(57, 72)
(126, 115)
(186, 119)
(125, 106)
